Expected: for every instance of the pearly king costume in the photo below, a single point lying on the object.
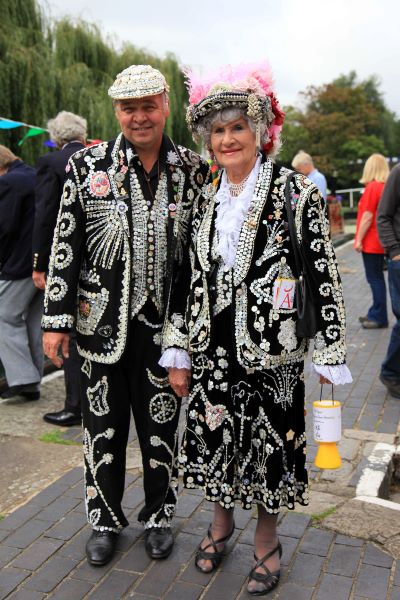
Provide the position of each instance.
(118, 244)
(245, 435)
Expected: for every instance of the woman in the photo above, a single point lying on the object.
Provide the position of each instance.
(375, 174)
(245, 434)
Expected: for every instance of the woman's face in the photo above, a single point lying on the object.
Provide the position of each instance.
(234, 145)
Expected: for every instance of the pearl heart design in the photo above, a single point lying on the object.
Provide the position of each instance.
(215, 415)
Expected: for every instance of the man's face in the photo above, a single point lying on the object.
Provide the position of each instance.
(305, 168)
(142, 120)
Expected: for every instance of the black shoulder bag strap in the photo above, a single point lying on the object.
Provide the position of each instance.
(292, 227)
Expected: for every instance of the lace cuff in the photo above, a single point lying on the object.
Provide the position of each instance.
(337, 374)
(175, 357)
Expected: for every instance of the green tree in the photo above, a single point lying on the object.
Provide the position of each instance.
(66, 65)
(341, 124)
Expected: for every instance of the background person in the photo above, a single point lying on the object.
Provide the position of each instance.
(68, 131)
(245, 433)
(120, 238)
(303, 163)
(20, 301)
(375, 173)
(389, 234)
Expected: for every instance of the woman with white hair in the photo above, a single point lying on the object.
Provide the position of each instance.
(245, 434)
(68, 132)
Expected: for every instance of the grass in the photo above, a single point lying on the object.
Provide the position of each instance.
(56, 437)
(2, 516)
(317, 518)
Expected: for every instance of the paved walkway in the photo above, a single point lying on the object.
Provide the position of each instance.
(42, 543)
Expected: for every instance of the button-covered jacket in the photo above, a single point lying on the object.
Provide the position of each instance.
(98, 264)
(264, 332)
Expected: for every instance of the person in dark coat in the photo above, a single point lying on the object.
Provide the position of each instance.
(68, 131)
(20, 301)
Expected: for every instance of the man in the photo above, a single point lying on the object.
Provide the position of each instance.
(388, 224)
(119, 242)
(68, 131)
(20, 302)
(303, 163)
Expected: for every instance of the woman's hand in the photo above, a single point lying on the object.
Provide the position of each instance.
(358, 245)
(179, 380)
(323, 380)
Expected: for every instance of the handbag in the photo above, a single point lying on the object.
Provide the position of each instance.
(306, 325)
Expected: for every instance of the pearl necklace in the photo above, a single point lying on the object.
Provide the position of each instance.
(235, 189)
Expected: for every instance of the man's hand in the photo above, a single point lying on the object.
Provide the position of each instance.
(39, 279)
(52, 342)
(179, 380)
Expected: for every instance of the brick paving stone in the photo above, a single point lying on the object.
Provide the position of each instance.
(158, 579)
(133, 497)
(26, 595)
(291, 591)
(72, 477)
(247, 535)
(185, 546)
(76, 547)
(76, 491)
(51, 574)
(129, 536)
(306, 569)
(294, 525)
(7, 554)
(184, 591)
(239, 560)
(225, 585)
(87, 572)
(36, 554)
(242, 518)
(198, 522)
(28, 533)
(193, 575)
(66, 528)
(19, 517)
(334, 587)
(58, 509)
(136, 559)
(71, 589)
(289, 546)
(187, 504)
(358, 471)
(355, 401)
(348, 541)
(50, 493)
(387, 428)
(395, 595)
(316, 541)
(136, 596)
(396, 579)
(344, 560)
(375, 556)
(114, 587)
(367, 423)
(10, 578)
(372, 582)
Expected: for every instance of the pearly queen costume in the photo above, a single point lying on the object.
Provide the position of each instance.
(118, 244)
(245, 435)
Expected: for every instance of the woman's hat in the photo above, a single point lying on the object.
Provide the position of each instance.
(248, 86)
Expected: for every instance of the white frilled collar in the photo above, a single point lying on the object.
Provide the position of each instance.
(231, 213)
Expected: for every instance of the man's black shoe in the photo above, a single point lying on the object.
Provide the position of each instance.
(159, 542)
(100, 547)
(65, 418)
(392, 386)
(24, 390)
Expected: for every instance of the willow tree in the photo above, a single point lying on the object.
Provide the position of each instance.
(67, 65)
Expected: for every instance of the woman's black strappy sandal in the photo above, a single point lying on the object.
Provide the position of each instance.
(268, 579)
(214, 557)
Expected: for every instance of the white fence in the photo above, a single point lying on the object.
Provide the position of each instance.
(352, 196)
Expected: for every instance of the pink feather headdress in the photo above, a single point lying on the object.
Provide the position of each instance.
(247, 85)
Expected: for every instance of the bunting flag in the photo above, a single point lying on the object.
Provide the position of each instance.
(32, 132)
(6, 124)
